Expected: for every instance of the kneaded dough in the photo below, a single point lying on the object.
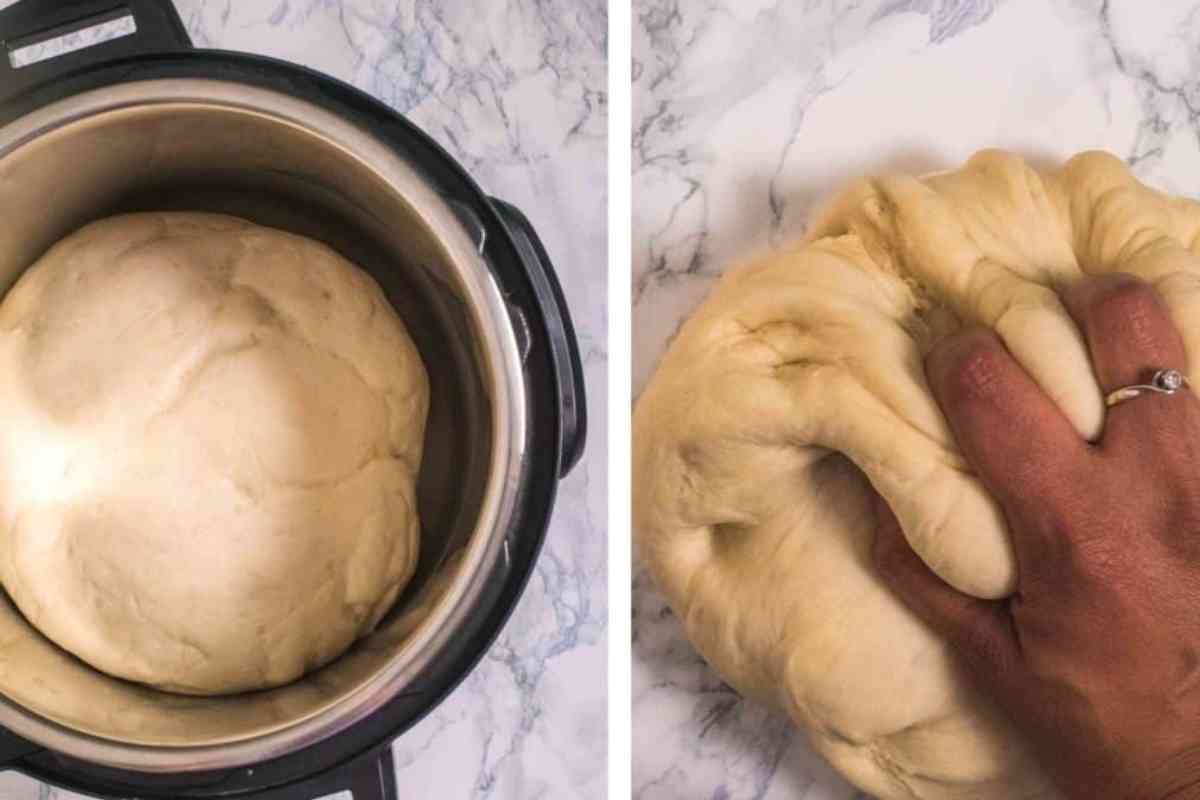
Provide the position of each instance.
(212, 432)
(799, 384)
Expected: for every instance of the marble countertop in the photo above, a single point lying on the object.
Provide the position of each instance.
(517, 91)
(747, 113)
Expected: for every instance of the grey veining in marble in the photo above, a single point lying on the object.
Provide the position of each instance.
(516, 90)
(746, 115)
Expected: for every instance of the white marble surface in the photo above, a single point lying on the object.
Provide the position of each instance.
(515, 89)
(747, 113)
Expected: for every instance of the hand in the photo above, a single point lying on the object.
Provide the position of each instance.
(1096, 657)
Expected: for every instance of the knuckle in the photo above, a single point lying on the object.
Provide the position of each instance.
(975, 371)
(1128, 302)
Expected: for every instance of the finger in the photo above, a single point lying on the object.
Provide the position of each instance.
(980, 631)
(1011, 433)
(1131, 336)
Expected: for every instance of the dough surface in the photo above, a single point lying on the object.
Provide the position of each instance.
(799, 384)
(212, 436)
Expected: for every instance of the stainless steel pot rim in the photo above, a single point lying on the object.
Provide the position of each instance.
(498, 346)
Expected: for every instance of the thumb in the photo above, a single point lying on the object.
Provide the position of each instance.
(980, 631)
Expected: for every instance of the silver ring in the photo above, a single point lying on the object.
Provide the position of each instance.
(1165, 381)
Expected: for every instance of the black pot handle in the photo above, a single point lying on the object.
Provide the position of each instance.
(370, 777)
(158, 29)
(563, 343)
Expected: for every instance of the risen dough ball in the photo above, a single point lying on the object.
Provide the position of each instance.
(800, 382)
(211, 436)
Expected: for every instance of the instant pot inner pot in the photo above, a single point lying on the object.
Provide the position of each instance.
(208, 156)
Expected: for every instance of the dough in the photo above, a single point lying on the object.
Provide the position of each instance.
(212, 435)
(799, 383)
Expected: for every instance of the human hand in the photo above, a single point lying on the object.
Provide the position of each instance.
(1096, 657)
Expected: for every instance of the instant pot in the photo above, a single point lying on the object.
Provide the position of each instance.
(145, 122)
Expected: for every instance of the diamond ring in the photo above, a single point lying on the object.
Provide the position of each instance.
(1165, 381)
